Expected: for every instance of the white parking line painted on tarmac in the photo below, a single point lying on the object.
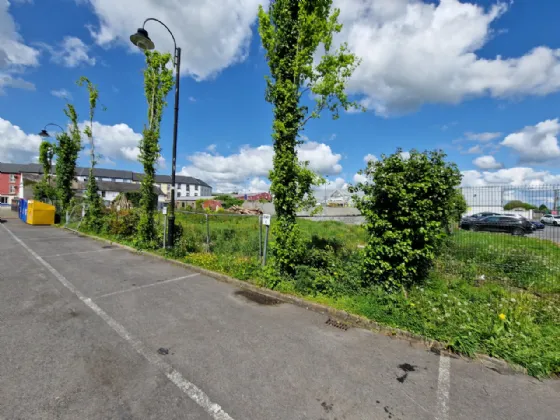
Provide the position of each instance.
(444, 374)
(75, 253)
(191, 390)
(132, 289)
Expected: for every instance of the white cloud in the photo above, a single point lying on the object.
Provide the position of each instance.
(61, 93)
(482, 137)
(213, 34)
(369, 157)
(415, 53)
(72, 52)
(231, 172)
(536, 144)
(475, 150)
(487, 162)
(512, 176)
(212, 148)
(359, 178)
(16, 145)
(114, 142)
(8, 81)
(14, 54)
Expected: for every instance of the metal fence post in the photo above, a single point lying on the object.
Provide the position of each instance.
(260, 237)
(207, 232)
(266, 222)
(265, 245)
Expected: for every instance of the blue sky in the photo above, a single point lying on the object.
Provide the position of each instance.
(479, 79)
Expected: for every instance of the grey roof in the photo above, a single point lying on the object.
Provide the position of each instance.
(105, 173)
(101, 173)
(166, 179)
(16, 168)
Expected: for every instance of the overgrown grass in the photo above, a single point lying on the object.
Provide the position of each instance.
(513, 312)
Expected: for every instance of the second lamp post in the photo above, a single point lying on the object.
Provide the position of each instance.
(143, 41)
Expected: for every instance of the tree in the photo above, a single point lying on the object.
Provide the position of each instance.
(158, 81)
(67, 149)
(291, 31)
(43, 190)
(93, 217)
(544, 209)
(407, 204)
(458, 206)
(517, 204)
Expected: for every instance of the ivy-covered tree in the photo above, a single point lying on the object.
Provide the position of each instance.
(408, 204)
(43, 190)
(158, 81)
(291, 32)
(67, 149)
(93, 216)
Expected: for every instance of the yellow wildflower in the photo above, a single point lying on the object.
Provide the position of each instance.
(502, 317)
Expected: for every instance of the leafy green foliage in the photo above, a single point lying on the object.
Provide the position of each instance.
(228, 200)
(94, 206)
(517, 204)
(291, 31)
(44, 190)
(458, 206)
(66, 150)
(158, 81)
(543, 208)
(407, 206)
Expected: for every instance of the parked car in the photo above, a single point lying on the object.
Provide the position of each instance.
(550, 219)
(467, 221)
(500, 223)
(537, 225)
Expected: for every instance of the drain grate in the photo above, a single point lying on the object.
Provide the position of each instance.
(108, 247)
(337, 324)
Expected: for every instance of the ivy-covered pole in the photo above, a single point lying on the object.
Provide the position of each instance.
(291, 31)
(67, 149)
(143, 41)
(158, 81)
(93, 200)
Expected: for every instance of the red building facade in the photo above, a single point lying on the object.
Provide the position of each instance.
(9, 187)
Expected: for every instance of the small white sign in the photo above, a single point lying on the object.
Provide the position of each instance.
(266, 219)
(118, 207)
(164, 210)
(83, 211)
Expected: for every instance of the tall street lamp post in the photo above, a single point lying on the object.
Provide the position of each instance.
(143, 41)
(45, 134)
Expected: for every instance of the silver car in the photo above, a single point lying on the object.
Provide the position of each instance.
(550, 219)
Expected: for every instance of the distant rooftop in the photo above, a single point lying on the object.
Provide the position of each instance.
(35, 168)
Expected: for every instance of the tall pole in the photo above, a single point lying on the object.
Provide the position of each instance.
(171, 220)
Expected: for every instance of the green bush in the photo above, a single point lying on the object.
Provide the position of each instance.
(407, 204)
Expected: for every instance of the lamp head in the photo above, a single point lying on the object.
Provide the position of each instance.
(142, 40)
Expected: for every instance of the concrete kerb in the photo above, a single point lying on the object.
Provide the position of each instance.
(415, 340)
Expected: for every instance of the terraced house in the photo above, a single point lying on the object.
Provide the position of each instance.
(12, 177)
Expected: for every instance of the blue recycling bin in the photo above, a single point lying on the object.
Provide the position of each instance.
(23, 210)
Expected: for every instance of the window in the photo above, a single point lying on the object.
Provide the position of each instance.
(3, 200)
(103, 194)
(12, 178)
(188, 194)
(196, 194)
(178, 194)
(12, 189)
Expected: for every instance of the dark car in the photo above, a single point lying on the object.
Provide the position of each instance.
(467, 221)
(537, 225)
(514, 225)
